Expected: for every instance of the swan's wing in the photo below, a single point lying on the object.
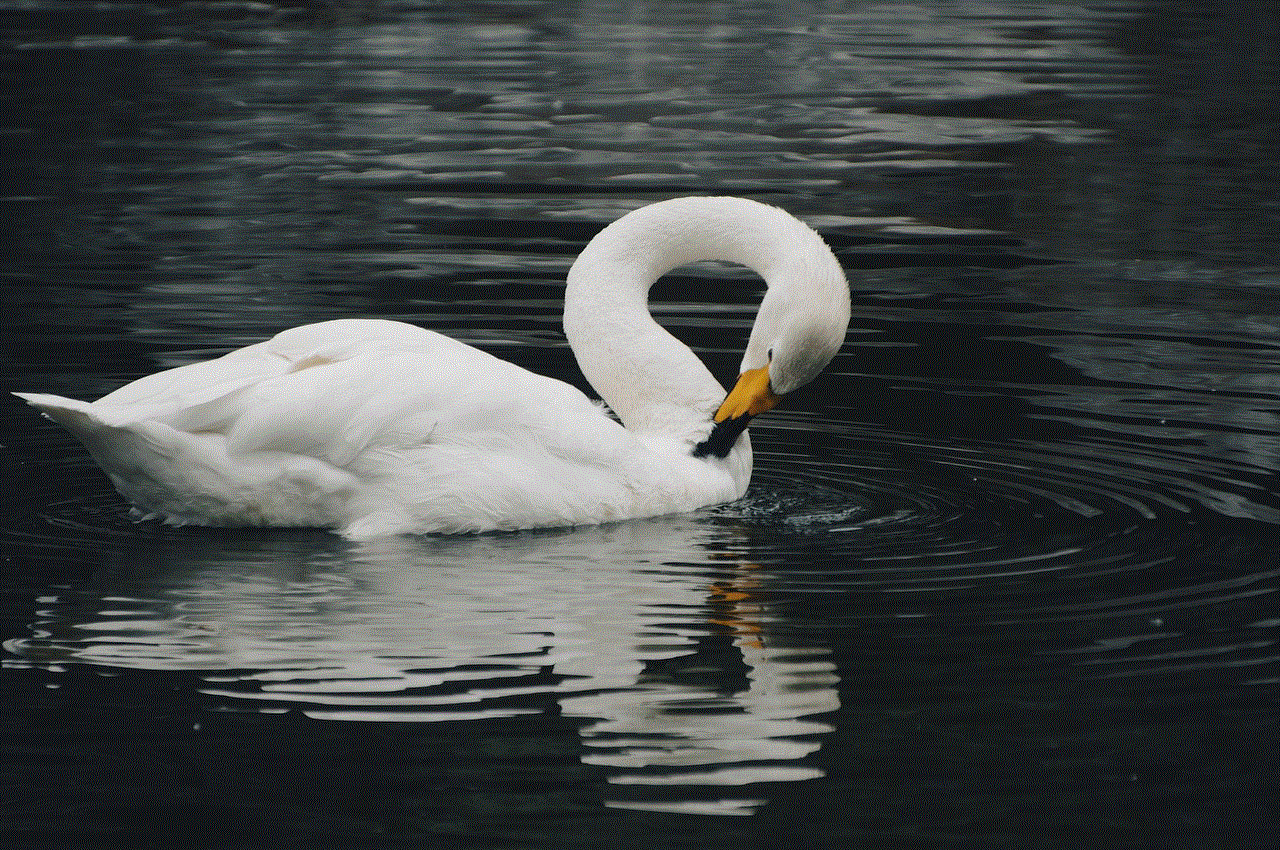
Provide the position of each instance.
(392, 401)
(197, 383)
(458, 441)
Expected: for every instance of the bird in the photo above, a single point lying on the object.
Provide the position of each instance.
(375, 427)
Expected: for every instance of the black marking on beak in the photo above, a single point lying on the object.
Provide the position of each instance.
(722, 437)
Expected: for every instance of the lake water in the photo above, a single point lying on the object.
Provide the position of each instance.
(1005, 575)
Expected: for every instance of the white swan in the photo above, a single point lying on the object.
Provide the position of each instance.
(376, 427)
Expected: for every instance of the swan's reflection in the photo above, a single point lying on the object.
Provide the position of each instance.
(644, 629)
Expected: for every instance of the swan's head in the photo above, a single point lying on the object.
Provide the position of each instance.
(799, 329)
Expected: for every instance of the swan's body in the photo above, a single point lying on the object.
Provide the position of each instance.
(377, 427)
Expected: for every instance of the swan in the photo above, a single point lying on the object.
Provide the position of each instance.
(374, 427)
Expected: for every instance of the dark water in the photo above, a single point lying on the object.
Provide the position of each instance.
(1005, 575)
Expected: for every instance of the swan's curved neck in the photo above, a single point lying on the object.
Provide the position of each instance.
(649, 378)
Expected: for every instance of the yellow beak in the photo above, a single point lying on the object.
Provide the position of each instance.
(751, 396)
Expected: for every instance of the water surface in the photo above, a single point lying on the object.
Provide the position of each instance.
(1005, 575)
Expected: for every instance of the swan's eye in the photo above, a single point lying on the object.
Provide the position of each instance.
(769, 354)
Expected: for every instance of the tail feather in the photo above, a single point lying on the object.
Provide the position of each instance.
(146, 461)
(82, 417)
(119, 442)
(188, 477)
(76, 416)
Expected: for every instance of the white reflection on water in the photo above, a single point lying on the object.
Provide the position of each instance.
(647, 630)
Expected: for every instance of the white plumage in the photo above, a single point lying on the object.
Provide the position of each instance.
(376, 427)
